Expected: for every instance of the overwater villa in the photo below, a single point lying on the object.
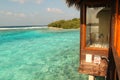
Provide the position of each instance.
(100, 37)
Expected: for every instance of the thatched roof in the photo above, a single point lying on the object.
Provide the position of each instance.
(77, 3)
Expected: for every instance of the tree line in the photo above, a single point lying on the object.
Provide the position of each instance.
(66, 24)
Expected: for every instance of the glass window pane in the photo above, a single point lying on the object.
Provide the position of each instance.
(97, 27)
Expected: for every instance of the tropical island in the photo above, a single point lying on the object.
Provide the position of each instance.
(66, 24)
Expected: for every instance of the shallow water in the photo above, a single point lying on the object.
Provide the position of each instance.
(40, 55)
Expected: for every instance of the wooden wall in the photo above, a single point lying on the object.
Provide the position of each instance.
(113, 72)
(117, 28)
(114, 54)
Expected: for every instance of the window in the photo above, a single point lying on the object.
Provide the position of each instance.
(97, 27)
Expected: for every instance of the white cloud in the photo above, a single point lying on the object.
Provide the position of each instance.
(1, 12)
(38, 1)
(22, 15)
(9, 13)
(32, 14)
(24, 1)
(55, 10)
(19, 1)
(6, 13)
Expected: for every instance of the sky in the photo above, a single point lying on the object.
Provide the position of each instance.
(34, 12)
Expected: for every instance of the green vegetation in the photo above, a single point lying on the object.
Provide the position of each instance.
(66, 24)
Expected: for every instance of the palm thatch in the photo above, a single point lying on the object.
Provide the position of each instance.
(75, 3)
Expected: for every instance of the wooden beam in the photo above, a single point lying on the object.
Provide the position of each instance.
(83, 25)
(117, 61)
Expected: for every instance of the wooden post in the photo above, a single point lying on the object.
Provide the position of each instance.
(91, 77)
(83, 26)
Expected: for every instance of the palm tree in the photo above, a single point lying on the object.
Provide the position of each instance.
(75, 3)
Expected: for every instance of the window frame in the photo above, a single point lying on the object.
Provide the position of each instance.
(85, 47)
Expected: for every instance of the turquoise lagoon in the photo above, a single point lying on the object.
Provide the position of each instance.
(40, 55)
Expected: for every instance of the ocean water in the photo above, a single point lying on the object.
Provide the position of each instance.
(40, 55)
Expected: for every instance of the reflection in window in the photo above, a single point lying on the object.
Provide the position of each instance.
(97, 27)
